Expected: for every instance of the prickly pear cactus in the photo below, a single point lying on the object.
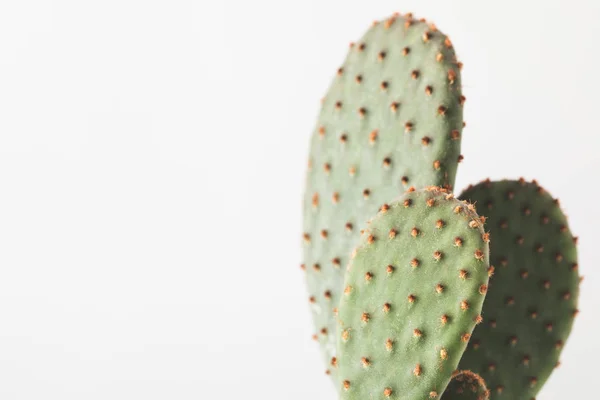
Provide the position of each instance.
(412, 296)
(466, 385)
(391, 119)
(532, 301)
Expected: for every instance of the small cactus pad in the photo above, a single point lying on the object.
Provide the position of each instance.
(466, 385)
(412, 296)
(392, 119)
(532, 301)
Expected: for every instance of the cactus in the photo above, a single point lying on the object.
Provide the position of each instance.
(467, 385)
(532, 301)
(392, 118)
(413, 294)
(395, 323)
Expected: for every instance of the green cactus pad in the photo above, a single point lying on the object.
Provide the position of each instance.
(412, 296)
(392, 119)
(532, 301)
(466, 385)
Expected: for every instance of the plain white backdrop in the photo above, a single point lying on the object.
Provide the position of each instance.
(152, 159)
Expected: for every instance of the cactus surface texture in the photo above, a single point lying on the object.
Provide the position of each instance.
(413, 294)
(392, 119)
(532, 300)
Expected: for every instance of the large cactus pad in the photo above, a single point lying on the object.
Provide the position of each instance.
(413, 294)
(391, 119)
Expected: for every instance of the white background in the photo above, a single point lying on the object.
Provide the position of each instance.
(152, 159)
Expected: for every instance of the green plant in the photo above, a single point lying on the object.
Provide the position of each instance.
(532, 301)
(391, 119)
(416, 284)
(466, 385)
(413, 295)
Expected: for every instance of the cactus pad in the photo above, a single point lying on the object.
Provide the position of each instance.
(412, 296)
(466, 385)
(392, 118)
(532, 300)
